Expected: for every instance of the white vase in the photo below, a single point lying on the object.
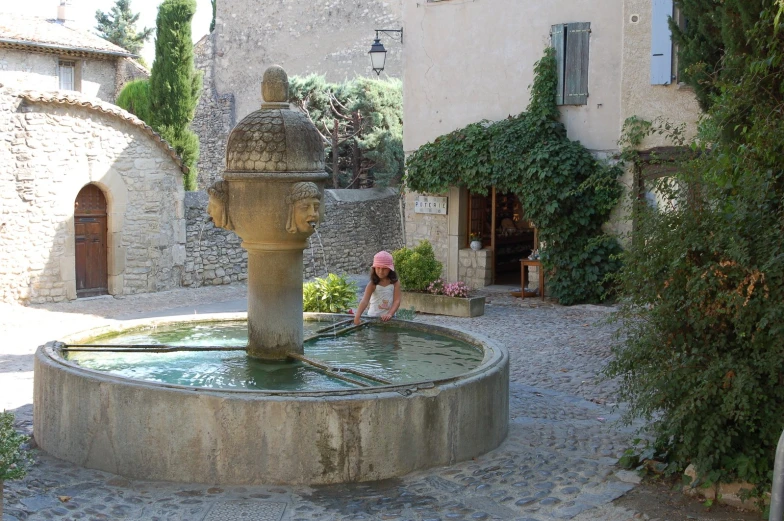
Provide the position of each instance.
(476, 245)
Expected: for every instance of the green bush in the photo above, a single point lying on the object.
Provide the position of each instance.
(332, 294)
(13, 459)
(417, 268)
(703, 277)
(135, 98)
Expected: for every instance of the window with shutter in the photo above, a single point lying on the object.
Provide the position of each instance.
(571, 44)
(661, 42)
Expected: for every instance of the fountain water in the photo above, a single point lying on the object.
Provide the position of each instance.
(382, 424)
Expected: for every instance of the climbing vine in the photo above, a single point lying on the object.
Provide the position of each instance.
(564, 190)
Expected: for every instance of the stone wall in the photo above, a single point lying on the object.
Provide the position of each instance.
(330, 37)
(127, 71)
(357, 224)
(98, 78)
(55, 144)
(214, 117)
(213, 255)
(24, 70)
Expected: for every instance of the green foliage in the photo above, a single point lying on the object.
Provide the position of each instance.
(214, 4)
(379, 104)
(175, 84)
(332, 294)
(135, 98)
(713, 46)
(563, 189)
(417, 267)
(703, 281)
(13, 459)
(119, 27)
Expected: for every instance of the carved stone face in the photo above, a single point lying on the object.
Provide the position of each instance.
(306, 214)
(217, 208)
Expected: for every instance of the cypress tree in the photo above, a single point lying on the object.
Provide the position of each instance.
(175, 84)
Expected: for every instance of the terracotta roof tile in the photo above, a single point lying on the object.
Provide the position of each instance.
(42, 32)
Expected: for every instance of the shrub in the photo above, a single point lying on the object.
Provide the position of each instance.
(135, 98)
(13, 458)
(417, 267)
(332, 294)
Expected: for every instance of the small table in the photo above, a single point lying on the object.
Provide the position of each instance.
(524, 264)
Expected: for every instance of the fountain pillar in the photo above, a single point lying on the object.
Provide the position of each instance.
(271, 196)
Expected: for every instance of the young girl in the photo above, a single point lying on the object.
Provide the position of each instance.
(382, 292)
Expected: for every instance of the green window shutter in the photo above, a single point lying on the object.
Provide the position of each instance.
(575, 91)
(558, 41)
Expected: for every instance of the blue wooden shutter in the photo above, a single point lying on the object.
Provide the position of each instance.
(661, 43)
(558, 40)
(578, 36)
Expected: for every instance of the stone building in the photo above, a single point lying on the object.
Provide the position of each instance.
(48, 55)
(91, 200)
(328, 37)
(620, 64)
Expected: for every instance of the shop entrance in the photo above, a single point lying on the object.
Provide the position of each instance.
(505, 230)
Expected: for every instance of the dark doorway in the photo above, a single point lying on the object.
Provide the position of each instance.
(500, 220)
(90, 235)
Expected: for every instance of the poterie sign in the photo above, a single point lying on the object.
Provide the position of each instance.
(430, 204)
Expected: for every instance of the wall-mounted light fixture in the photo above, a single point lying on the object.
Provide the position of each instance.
(378, 55)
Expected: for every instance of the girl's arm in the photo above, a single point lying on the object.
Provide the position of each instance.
(363, 304)
(395, 303)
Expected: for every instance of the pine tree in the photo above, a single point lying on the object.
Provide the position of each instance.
(119, 27)
(175, 84)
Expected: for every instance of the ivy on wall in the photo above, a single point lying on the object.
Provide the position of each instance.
(564, 190)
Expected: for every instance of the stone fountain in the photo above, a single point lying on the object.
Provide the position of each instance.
(271, 197)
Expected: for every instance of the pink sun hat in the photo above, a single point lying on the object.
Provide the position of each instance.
(383, 259)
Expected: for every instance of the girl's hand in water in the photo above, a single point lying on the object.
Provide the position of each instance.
(385, 318)
(356, 320)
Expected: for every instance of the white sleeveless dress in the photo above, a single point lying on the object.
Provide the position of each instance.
(381, 300)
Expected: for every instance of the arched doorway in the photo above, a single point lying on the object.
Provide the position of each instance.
(90, 238)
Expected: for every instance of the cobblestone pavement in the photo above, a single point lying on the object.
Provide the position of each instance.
(557, 462)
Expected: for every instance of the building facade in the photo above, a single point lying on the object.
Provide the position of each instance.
(467, 61)
(49, 55)
(326, 37)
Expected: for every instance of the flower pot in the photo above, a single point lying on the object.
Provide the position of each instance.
(443, 304)
(476, 245)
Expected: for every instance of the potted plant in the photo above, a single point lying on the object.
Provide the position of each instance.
(423, 289)
(475, 241)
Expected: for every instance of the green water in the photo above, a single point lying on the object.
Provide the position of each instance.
(394, 353)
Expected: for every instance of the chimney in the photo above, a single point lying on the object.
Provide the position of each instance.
(61, 11)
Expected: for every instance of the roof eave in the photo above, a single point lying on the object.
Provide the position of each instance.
(56, 47)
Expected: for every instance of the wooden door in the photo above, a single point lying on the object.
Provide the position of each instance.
(90, 235)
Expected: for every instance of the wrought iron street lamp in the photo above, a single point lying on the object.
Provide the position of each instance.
(378, 54)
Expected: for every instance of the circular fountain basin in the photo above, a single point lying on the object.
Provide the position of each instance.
(164, 431)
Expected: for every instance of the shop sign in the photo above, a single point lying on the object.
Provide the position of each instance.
(430, 204)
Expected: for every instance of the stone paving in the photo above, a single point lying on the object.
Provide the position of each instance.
(558, 461)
